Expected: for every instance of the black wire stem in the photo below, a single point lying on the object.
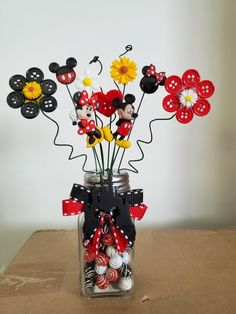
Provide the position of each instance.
(66, 145)
(131, 161)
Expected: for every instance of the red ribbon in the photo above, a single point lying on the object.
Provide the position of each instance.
(152, 72)
(71, 207)
(85, 100)
(120, 241)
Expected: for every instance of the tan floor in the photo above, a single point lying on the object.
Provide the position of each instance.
(176, 271)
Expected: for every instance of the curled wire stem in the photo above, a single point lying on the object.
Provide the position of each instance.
(127, 49)
(70, 157)
(144, 142)
(96, 59)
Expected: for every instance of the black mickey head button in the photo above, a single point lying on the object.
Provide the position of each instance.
(17, 82)
(15, 99)
(34, 74)
(148, 84)
(48, 103)
(49, 87)
(30, 110)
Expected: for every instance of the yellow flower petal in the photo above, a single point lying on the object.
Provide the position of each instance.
(132, 65)
(116, 64)
(123, 79)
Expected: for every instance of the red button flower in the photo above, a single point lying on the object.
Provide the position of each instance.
(188, 95)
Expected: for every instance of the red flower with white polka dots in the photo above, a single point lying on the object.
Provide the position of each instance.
(188, 96)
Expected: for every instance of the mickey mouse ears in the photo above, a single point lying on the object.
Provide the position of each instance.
(65, 74)
(129, 99)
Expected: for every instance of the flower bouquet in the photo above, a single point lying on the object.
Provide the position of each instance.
(106, 204)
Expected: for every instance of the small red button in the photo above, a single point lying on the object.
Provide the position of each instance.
(202, 107)
(191, 78)
(173, 84)
(206, 89)
(171, 103)
(184, 115)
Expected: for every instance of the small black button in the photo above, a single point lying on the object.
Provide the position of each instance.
(48, 103)
(15, 99)
(17, 82)
(49, 87)
(34, 74)
(30, 110)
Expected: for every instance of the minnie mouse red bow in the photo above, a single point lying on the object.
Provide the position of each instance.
(85, 100)
(152, 72)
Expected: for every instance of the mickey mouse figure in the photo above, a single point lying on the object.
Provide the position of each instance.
(65, 74)
(126, 114)
(84, 109)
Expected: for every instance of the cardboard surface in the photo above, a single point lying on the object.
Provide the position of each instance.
(176, 271)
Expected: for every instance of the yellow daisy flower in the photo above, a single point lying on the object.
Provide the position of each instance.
(123, 70)
(32, 90)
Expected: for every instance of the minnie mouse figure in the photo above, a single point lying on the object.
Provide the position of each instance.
(126, 114)
(84, 109)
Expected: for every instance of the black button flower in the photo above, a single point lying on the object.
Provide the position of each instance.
(32, 93)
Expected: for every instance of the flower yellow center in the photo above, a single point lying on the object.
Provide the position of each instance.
(87, 81)
(188, 98)
(123, 69)
(32, 90)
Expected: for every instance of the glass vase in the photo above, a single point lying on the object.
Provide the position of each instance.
(109, 271)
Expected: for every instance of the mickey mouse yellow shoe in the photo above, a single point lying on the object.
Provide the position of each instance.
(107, 133)
(91, 141)
(123, 143)
(98, 134)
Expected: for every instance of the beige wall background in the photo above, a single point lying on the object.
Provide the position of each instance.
(189, 171)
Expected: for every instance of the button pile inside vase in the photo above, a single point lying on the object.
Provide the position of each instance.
(108, 270)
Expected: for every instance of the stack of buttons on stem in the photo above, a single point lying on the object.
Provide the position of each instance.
(108, 268)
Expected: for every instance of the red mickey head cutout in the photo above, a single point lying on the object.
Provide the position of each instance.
(105, 101)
